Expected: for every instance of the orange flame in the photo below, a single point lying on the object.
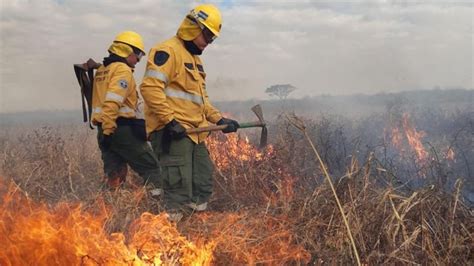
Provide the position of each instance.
(412, 136)
(231, 149)
(66, 235)
(414, 139)
(238, 156)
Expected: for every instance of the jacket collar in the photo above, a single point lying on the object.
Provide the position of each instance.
(112, 58)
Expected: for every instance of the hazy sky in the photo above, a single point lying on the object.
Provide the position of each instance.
(318, 46)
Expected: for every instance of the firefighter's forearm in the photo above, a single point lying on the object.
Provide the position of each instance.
(110, 111)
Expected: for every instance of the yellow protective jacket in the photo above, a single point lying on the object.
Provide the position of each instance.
(114, 95)
(175, 88)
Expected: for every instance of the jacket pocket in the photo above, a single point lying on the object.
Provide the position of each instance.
(192, 80)
(173, 169)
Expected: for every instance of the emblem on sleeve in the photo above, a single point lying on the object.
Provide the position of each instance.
(123, 83)
(160, 58)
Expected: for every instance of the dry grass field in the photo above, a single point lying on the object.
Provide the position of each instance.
(273, 206)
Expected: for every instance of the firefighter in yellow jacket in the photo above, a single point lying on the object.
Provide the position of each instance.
(121, 135)
(174, 91)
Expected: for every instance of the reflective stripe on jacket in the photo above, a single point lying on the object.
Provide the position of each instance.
(114, 95)
(176, 89)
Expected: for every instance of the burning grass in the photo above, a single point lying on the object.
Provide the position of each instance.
(269, 207)
(66, 234)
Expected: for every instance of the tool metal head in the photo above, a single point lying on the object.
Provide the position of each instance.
(257, 109)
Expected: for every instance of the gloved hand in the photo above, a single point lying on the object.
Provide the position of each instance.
(232, 125)
(175, 130)
(106, 141)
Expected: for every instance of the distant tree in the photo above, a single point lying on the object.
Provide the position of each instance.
(280, 90)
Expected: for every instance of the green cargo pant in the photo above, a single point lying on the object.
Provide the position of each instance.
(186, 171)
(125, 149)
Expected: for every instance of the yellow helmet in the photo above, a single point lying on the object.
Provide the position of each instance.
(130, 38)
(208, 16)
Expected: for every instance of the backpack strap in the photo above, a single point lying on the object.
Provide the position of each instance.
(85, 77)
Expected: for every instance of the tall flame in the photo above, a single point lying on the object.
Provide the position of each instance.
(231, 149)
(67, 235)
(71, 234)
(238, 156)
(414, 139)
(412, 136)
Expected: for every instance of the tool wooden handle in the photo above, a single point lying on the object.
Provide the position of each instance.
(251, 124)
(205, 129)
(221, 127)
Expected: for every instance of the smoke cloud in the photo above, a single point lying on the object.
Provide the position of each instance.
(320, 48)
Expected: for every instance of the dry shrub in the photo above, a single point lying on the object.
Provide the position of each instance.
(390, 224)
(247, 238)
(269, 206)
(53, 163)
(124, 205)
(246, 176)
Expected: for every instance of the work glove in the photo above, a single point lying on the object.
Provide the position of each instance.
(232, 125)
(172, 131)
(175, 130)
(106, 141)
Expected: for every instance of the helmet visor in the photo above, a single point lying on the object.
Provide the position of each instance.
(209, 37)
(138, 53)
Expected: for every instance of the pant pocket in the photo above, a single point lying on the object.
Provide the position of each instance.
(173, 170)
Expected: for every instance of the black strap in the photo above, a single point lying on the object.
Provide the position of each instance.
(88, 94)
(85, 77)
(79, 75)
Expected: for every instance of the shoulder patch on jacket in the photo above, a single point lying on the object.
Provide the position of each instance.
(123, 83)
(161, 57)
(200, 67)
(189, 66)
